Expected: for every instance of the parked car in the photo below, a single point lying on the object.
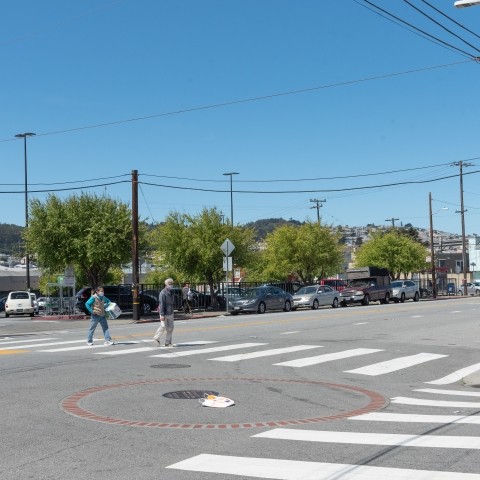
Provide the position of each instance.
(35, 303)
(2, 304)
(261, 299)
(472, 289)
(313, 296)
(19, 303)
(120, 294)
(402, 290)
(42, 301)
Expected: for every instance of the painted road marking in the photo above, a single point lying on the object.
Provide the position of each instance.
(434, 403)
(448, 392)
(456, 376)
(361, 438)
(10, 342)
(328, 357)
(208, 350)
(11, 352)
(279, 469)
(413, 418)
(395, 364)
(290, 333)
(45, 344)
(264, 353)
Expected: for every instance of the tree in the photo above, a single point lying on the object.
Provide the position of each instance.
(307, 251)
(190, 245)
(92, 233)
(398, 253)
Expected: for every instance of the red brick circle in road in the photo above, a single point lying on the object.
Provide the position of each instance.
(72, 405)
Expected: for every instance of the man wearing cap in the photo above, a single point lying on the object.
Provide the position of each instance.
(165, 308)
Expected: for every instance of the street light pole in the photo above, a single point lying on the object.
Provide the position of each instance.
(231, 194)
(27, 257)
(432, 250)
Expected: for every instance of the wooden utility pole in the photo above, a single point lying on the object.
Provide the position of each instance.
(135, 276)
(392, 220)
(317, 206)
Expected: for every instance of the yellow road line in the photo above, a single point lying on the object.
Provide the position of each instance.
(8, 352)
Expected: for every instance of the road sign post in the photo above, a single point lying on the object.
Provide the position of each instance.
(227, 248)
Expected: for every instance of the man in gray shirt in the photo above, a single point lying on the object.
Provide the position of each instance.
(165, 309)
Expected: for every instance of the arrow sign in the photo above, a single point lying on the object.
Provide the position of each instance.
(227, 247)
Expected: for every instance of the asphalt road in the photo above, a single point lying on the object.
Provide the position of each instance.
(371, 393)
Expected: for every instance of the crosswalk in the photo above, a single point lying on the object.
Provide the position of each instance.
(248, 351)
(260, 466)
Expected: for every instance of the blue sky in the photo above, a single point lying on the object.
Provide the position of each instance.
(308, 99)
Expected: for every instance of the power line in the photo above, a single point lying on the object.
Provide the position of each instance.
(249, 100)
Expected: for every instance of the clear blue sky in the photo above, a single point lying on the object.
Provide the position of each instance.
(184, 91)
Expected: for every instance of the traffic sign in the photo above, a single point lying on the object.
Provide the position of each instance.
(227, 247)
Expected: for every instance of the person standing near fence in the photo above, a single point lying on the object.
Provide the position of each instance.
(165, 309)
(96, 306)
(185, 299)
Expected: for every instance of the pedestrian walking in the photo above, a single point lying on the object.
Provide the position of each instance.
(165, 308)
(96, 306)
(185, 298)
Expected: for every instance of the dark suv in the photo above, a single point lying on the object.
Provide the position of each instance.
(120, 294)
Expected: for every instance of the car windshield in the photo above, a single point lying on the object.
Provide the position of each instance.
(396, 284)
(306, 290)
(358, 283)
(20, 296)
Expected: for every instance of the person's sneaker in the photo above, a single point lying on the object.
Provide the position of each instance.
(89, 344)
(169, 345)
(109, 342)
(157, 341)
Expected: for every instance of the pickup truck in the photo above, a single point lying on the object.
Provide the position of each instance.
(365, 285)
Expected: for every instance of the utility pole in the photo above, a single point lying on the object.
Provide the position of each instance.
(392, 220)
(135, 276)
(462, 212)
(432, 249)
(317, 206)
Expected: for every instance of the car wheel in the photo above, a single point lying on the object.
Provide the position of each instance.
(261, 307)
(7, 315)
(146, 308)
(386, 300)
(402, 298)
(233, 313)
(335, 302)
(315, 304)
(287, 307)
(477, 293)
(416, 297)
(366, 300)
(32, 314)
(396, 300)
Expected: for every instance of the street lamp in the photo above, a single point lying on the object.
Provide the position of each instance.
(466, 3)
(432, 250)
(231, 194)
(27, 257)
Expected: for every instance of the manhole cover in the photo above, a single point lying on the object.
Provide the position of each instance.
(189, 394)
(170, 365)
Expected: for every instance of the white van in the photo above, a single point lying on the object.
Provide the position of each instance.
(19, 303)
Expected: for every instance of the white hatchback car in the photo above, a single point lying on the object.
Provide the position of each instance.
(19, 303)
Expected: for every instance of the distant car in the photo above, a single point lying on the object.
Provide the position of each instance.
(472, 289)
(19, 303)
(122, 295)
(402, 290)
(2, 304)
(313, 296)
(261, 299)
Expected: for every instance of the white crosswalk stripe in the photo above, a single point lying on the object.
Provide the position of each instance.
(434, 403)
(279, 469)
(38, 345)
(264, 353)
(328, 357)
(416, 418)
(10, 342)
(456, 376)
(395, 364)
(178, 353)
(361, 438)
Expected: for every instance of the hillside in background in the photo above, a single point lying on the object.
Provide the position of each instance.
(268, 225)
(10, 238)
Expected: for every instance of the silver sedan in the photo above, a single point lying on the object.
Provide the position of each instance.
(314, 296)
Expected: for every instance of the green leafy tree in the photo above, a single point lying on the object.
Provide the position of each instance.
(190, 245)
(306, 251)
(398, 253)
(90, 232)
